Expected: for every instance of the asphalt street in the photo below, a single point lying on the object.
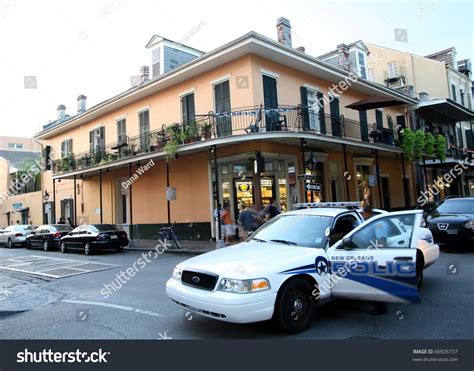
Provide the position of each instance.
(72, 307)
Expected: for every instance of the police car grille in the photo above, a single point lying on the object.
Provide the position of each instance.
(199, 280)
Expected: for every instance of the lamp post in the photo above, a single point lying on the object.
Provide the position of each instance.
(311, 165)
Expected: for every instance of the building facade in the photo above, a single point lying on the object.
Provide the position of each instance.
(239, 124)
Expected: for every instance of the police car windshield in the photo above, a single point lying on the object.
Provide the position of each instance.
(299, 230)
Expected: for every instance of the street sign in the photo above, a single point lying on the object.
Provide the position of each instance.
(170, 193)
(306, 177)
(315, 187)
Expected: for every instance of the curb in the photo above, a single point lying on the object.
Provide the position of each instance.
(174, 251)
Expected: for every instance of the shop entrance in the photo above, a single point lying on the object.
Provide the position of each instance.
(244, 190)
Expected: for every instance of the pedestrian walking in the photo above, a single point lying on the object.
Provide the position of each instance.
(218, 219)
(228, 223)
(271, 210)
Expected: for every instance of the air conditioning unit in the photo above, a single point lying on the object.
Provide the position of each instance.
(465, 67)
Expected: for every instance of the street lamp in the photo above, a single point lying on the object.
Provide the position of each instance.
(311, 165)
(45, 196)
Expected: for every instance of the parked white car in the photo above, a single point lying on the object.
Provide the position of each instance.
(15, 235)
(290, 265)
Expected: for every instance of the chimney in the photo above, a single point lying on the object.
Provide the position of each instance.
(301, 49)
(423, 96)
(144, 74)
(61, 112)
(343, 57)
(284, 31)
(81, 103)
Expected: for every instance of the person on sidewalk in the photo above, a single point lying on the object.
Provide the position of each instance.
(228, 223)
(271, 210)
(218, 219)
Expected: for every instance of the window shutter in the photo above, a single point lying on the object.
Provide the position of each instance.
(184, 109)
(305, 110)
(322, 116)
(91, 141)
(190, 106)
(70, 147)
(469, 141)
(379, 119)
(63, 149)
(335, 117)
(102, 138)
(364, 129)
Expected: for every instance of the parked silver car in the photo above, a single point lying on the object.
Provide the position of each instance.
(15, 235)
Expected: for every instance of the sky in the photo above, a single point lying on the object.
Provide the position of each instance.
(52, 51)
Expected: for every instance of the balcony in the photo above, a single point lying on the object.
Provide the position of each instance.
(245, 121)
(395, 78)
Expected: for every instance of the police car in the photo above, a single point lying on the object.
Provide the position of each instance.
(301, 259)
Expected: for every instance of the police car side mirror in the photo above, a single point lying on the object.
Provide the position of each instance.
(347, 243)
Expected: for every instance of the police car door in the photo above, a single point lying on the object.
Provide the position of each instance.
(377, 260)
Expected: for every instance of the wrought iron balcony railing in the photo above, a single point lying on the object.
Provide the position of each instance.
(244, 121)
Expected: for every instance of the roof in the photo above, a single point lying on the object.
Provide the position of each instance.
(441, 52)
(16, 157)
(443, 111)
(250, 43)
(358, 43)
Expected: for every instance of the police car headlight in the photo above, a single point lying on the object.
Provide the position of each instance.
(177, 272)
(243, 286)
(469, 224)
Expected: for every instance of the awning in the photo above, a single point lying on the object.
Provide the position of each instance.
(439, 111)
(374, 102)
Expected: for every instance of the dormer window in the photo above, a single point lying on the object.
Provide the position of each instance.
(361, 63)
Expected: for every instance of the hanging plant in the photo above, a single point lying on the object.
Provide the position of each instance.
(408, 140)
(170, 150)
(440, 147)
(429, 144)
(419, 145)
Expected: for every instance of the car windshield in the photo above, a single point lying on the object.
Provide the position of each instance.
(456, 207)
(295, 229)
(24, 228)
(62, 227)
(104, 227)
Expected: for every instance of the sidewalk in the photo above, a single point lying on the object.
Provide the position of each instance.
(187, 247)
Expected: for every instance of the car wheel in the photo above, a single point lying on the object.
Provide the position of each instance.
(63, 247)
(119, 249)
(45, 245)
(10, 243)
(87, 249)
(28, 244)
(294, 306)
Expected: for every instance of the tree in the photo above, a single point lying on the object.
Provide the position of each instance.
(440, 147)
(418, 145)
(408, 139)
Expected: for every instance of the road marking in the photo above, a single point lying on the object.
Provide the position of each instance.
(115, 306)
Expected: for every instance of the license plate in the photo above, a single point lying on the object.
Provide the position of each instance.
(114, 237)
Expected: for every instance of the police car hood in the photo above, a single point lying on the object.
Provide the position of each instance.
(251, 259)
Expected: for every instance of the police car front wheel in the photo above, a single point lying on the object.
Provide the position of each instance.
(294, 307)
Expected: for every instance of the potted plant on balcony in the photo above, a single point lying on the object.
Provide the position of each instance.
(440, 147)
(170, 148)
(408, 139)
(192, 131)
(206, 130)
(418, 145)
(429, 144)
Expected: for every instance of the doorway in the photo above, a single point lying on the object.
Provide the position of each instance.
(385, 194)
(121, 202)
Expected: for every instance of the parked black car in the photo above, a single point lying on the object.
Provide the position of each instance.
(94, 237)
(453, 220)
(47, 236)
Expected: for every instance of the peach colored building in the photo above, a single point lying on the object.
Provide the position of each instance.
(243, 121)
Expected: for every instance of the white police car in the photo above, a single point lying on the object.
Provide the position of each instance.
(297, 261)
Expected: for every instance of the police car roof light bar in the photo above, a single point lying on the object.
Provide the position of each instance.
(313, 205)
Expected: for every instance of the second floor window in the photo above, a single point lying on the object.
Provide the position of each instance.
(187, 108)
(370, 74)
(66, 148)
(392, 70)
(461, 94)
(97, 140)
(453, 91)
(122, 131)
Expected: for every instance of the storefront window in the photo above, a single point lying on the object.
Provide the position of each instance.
(283, 196)
(225, 193)
(267, 190)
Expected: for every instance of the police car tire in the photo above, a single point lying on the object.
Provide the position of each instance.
(294, 307)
